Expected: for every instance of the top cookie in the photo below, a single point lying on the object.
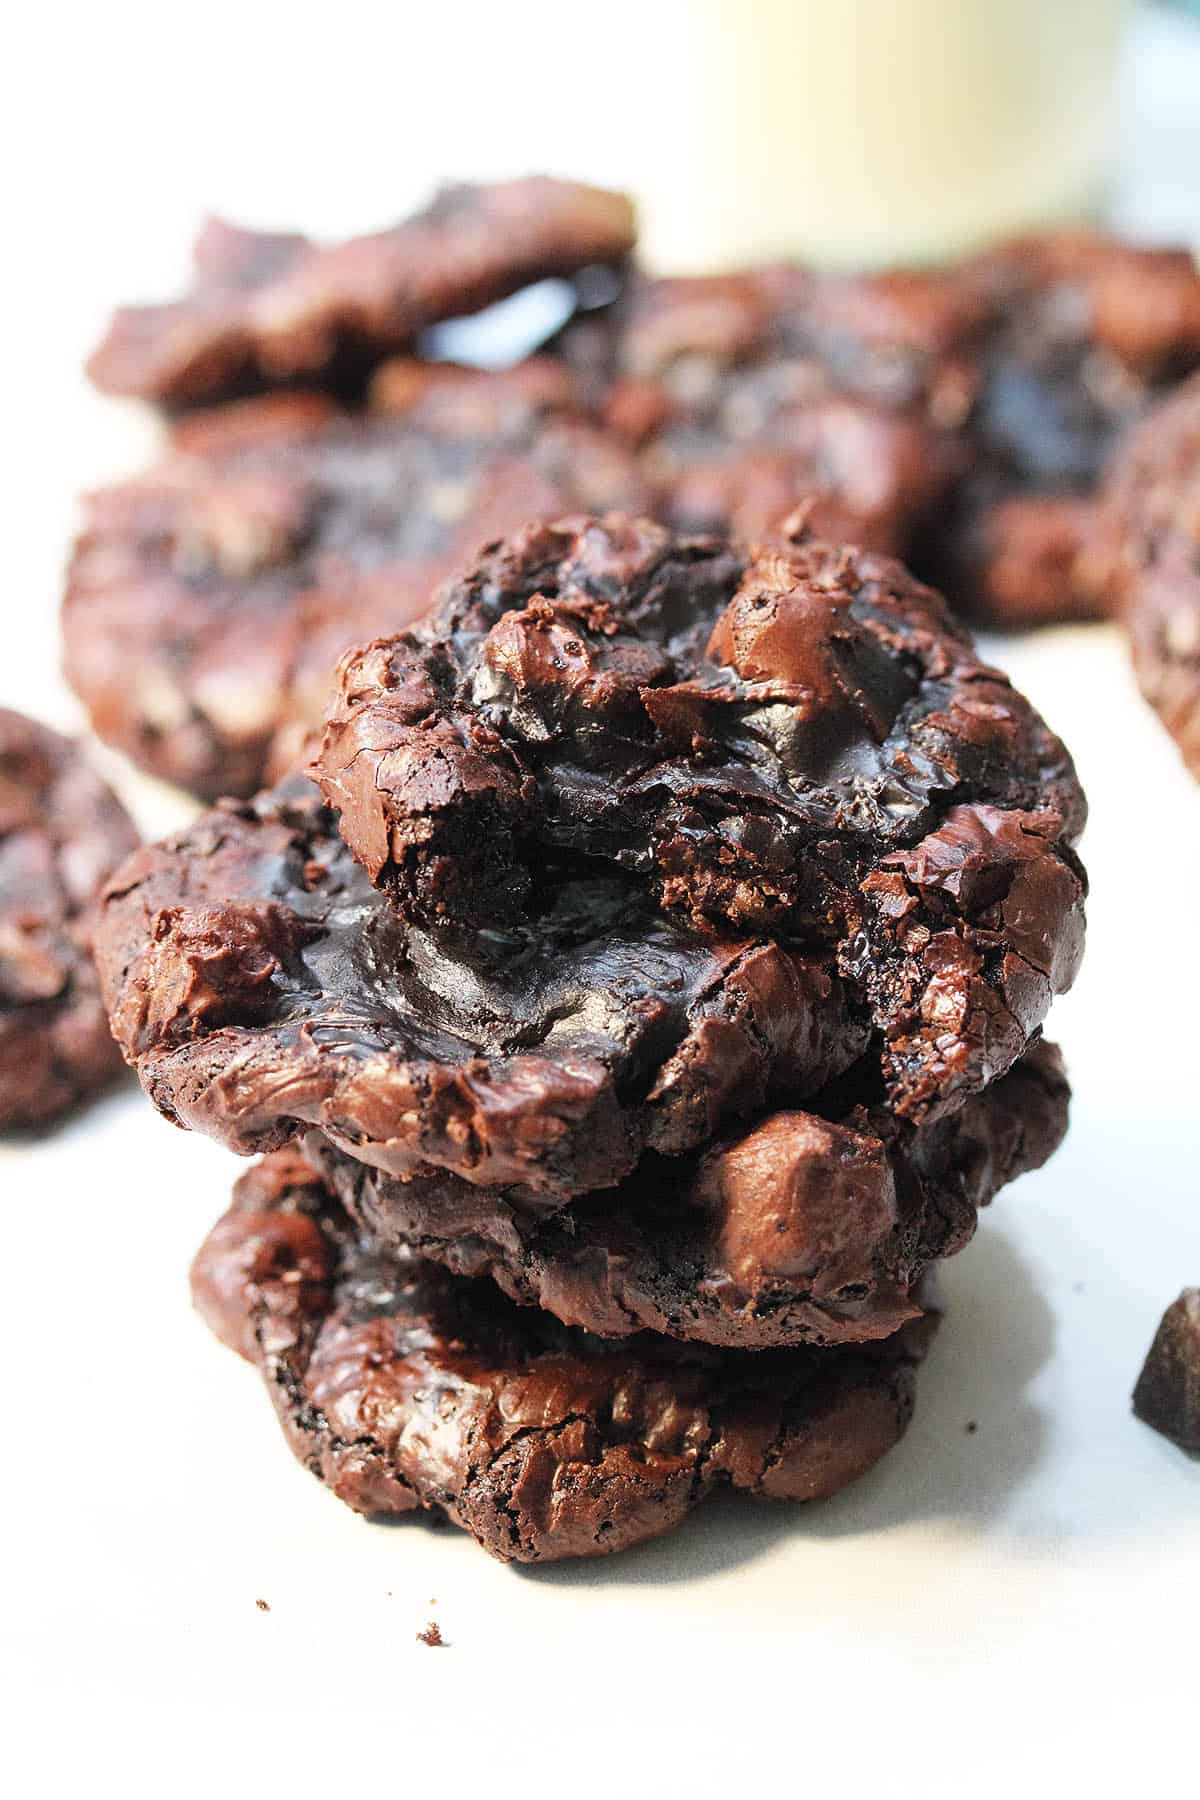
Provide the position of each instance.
(798, 741)
(747, 728)
(268, 308)
(61, 832)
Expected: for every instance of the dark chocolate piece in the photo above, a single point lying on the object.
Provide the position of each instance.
(209, 600)
(260, 984)
(804, 1230)
(798, 740)
(61, 833)
(1167, 1394)
(402, 1387)
(268, 308)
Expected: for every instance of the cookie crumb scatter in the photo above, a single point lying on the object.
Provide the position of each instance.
(432, 1635)
(262, 1606)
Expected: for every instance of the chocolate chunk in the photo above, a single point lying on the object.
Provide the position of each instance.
(797, 740)
(1152, 525)
(1085, 331)
(1167, 1394)
(260, 984)
(402, 1387)
(61, 832)
(268, 308)
(803, 1230)
(209, 600)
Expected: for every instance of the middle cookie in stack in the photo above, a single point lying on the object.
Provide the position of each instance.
(720, 897)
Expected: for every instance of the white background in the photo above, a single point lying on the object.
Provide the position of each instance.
(1013, 1610)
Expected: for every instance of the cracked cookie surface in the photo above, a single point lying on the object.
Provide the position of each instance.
(797, 740)
(269, 308)
(259, 984)
(404, 1388)
(208, 600)
(61, 833)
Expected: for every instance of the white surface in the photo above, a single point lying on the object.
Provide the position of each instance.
(1009, 1611)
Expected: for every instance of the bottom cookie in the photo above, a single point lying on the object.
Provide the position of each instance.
(404, 1387)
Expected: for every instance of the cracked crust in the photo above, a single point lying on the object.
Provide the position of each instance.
(403, 1388)
(1085, 331)
(1152, 520)
(793, 740)
(209, 600)
(259, 984)
(268, 308)
(61, 832)
(803, 1230)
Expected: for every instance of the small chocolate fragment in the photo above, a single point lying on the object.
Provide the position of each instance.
(1167, 1395)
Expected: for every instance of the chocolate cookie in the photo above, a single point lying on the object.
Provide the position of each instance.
(804, 1230)
(209, 600)
(1086, 331)
(260, 984)
(749, 392)
(797, 739)
(1152, 523)
(268, 308)
(402, 1387)
(61, 832)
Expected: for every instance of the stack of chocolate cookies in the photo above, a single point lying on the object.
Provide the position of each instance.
(641, 993)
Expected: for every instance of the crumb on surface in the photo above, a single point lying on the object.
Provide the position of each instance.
(262, 1606)
(972, 1425)
(432, 1635)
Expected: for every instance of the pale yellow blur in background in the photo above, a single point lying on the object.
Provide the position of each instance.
(881, 130)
